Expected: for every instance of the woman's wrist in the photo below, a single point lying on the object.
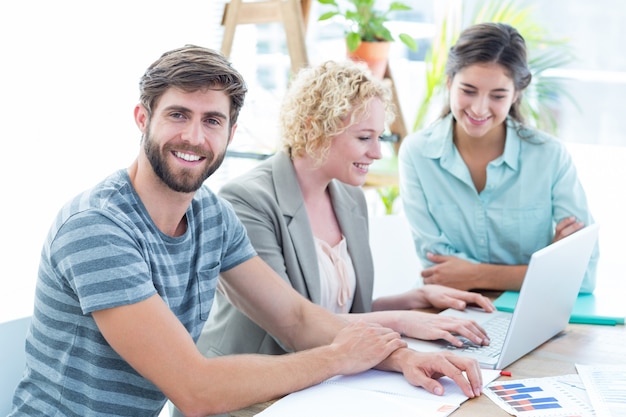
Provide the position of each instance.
(408, 300)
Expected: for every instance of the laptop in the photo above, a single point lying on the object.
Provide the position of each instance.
(545, 302)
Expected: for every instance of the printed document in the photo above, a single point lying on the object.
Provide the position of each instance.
(372, 393)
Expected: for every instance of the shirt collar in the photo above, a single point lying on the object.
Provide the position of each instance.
(512, 145)
(436, 148)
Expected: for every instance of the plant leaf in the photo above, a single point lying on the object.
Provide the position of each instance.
(353, 40)
(409, 41)
(398, 6)
(327, 15)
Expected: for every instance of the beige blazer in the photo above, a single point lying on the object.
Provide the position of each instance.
(269, 202)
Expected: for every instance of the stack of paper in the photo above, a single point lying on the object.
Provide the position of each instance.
(606, 388)
(371, 394)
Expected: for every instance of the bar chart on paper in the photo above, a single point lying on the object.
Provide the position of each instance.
(562, 396)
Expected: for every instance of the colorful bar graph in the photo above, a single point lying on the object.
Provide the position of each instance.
(538, 407)
(534, 401)
(557, 396)
(506, 386)
(515, 397)
(520, 397)
(519, 390)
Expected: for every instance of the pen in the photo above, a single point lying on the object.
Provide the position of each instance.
(505, 373)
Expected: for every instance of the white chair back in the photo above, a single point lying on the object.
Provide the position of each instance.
(12, 359)
(396, 265)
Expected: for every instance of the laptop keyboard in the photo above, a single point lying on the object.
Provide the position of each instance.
(496, 328)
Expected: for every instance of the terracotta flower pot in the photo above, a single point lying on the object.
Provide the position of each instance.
(374, 54)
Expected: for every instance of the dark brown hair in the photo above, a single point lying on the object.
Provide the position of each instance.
(499, 43)
(192, 68)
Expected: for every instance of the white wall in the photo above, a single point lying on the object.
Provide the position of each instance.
(69, 72)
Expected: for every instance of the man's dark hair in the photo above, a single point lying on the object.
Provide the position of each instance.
(192, 68)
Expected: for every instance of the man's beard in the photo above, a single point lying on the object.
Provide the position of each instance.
(185, 181)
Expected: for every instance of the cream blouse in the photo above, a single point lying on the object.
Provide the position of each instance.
(337, 277)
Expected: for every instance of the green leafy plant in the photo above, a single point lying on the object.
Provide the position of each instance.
(388, 196)
(543, 93)
(435, 61)
(366, 23)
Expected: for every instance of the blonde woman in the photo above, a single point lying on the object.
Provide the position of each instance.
(306, 216)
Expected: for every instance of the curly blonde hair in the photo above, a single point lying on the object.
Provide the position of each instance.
(319, 100)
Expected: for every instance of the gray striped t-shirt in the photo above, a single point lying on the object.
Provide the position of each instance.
(103, 251)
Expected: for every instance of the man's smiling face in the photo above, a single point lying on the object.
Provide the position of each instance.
(186, 138)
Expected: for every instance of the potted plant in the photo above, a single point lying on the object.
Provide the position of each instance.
(367, 29)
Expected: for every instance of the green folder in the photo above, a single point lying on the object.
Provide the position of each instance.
(588, 309)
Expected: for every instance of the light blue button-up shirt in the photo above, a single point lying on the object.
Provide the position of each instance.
(530, 188)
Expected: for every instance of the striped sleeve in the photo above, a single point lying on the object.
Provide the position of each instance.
(102, 263)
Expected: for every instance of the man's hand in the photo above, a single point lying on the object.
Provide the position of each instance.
(423, 369)
(361, 346)
(429, 326)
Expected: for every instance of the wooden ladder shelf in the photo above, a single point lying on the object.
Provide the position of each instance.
(294, 15)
